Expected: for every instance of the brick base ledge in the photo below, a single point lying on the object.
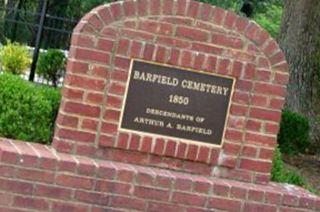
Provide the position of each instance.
(34, 177)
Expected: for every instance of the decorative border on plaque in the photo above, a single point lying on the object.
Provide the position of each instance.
(176, 103)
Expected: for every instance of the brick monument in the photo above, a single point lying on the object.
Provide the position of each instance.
(167, 106)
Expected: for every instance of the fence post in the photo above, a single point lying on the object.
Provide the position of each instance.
(38, 41)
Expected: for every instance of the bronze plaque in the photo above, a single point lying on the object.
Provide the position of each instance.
(176, 102)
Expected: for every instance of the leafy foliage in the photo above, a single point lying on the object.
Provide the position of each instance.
(294, 133)
(270, 19)
(281, 174)
(51, 65)
(27, 111)
(15, 58)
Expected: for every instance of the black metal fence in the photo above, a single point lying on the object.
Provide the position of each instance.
(38, 30)
(22, 26)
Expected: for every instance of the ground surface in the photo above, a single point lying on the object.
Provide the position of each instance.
(308, 166)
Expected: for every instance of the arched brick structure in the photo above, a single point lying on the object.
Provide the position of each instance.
(186, 34)
(93, 167)
(182, 33)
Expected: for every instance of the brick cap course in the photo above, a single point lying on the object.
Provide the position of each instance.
(37, 177)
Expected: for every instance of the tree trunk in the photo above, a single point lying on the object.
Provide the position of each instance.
(300, 40)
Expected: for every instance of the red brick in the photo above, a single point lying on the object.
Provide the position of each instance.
(238, 110)
(198, 61)
(123, 46)
(51, 191)
(91, 197)
(255, 165)
(270, 89)
(233, 135)
(218, 15)
(16, 186)
(224, 204)
(72, 207)
(167, 7)
(113, 187)
(261, 139)
(129, 8)
(206, 48)
(112, 115)
(193, 9)
(107, 141)
(272, 128)
(273, 198)
(92, 55)
(76, 135)
(68, 121)
(241, 98)
(192, 152)
(206, 12)
(265, 114)
(159, 146)
(181, 7)
(116, 11)
(253, 207)
(148, 51)
(231, 148)
(224, 66)
(31, 203)
(249, 151)
(221, 190)
(170, 148)
(259, 100)
(77, 67)
(142, 7)
(238, 192)
(134, 142)
(244, 85)
(174, 57)
(72, 94)
(290, 200)
(256, 195)
(123, 141)
(186, 59)
(202, 186)
(183, 183)
(181, 150)
(139, 35)
(100, 71)
(122, 63)
(277, 103)
(127, 202)
(85, 83)
(203, 155)
(241, 24)
(151, 193)
(35, 175)
(254, 125)
(192, 34)
(74, 181)
(156, 206)
(114, 101)
(228, 41)
(155, 6)
(82, 40)
(146, 145)
(89, 124)
(95, 98)
(188, 199)
(266, 154)
(161, 54)
(136, 49)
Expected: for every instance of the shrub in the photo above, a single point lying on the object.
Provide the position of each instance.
(280, 174)
(27, 111)
(294, 133)
(15, 58)
(51, 65)
(270, 19)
